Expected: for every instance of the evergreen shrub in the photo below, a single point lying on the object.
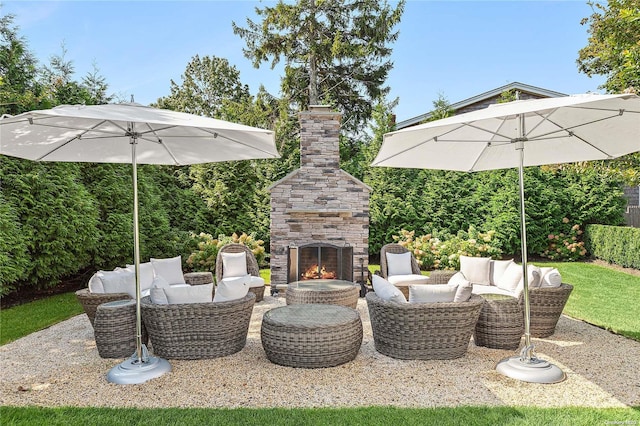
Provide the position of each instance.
(614, 244)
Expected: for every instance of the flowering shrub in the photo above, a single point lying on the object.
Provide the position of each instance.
(204, 257)
(567, 244)
(432, 252)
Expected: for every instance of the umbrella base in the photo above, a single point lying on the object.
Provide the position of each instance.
(535, 370)
(132, 371)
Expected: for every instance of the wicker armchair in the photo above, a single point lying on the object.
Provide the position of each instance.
(546, 305)
(91, 301)
(252, 266)
(423, 330)
(198, 330)
(396, 249)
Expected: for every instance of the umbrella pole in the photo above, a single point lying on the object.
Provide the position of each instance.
(140, 367)
(526, 366)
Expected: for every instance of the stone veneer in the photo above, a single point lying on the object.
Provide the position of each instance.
(319, 202)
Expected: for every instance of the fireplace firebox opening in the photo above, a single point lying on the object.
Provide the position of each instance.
(313, 261)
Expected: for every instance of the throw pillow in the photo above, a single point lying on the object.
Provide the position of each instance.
(399, 264)
(189, 294)
(511, 277)
(231, 289)
(146, 274)
(158, 296)
(122, 281)
(497, 269)
(550, 277)
(431, 293)
(234, 265)
(95, 283)
(476, 269)
(159, 282)
(463, 293)
(169, 269)
(387, 291)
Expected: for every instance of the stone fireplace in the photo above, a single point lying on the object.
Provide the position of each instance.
(319, 212)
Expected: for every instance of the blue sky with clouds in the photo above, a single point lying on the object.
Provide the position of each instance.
(456, 48)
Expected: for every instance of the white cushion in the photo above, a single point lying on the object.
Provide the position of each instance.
(457, 278)
(121, 281)
(95, 283)
(255, 281)
(387, 291)
(159, 282)
(231, 289)
(491, 289)
(476, 269)
(146, 274)
(511, 278)
(158, 296)
(534, 275)
(497, 269)
(189, 294)
(463, 292)
(169, 269)
(408, 279)
(550, 277)
(234, 265)
(399, 264)
(431, 293)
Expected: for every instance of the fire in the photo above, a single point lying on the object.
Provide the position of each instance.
(316, 273)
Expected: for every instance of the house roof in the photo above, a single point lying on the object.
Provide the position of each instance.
(533, 90)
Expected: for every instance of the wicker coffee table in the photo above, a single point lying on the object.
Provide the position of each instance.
(332, 292)
(311, 335)
(501, 324)
(115, 329)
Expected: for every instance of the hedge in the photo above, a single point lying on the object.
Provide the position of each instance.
(614, 244)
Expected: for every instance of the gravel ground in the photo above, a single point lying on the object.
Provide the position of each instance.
(60, 366)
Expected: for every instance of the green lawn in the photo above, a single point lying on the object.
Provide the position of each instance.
(468, 416)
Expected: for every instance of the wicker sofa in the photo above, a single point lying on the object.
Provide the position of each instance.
(198, 330)
(546, 299)
(423, 330)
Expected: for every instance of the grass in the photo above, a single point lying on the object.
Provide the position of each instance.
(320, 416)
(21, 320)
(603, 297)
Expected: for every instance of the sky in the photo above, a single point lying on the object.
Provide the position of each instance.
(457, 49)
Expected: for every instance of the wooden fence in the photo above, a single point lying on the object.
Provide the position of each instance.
(632, 216)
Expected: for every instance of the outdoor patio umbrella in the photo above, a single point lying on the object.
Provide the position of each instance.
(519, 134)
(131, 133)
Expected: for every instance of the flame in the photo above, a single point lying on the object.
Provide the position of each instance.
(315, 273)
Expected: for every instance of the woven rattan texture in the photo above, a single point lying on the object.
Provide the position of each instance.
(198, 278)
(546, 305)
(91, 301)
(440, 276)
(252, 265)
(347, 296)
(500, 325)
(311, 336)
(423, 330)
(198, 330)
(115, 329)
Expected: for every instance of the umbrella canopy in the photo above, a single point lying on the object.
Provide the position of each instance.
(131, 133)
(553, 130)
(102, 134)
(518, 134)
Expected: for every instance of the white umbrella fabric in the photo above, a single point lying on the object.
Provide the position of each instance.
(519, 134)
(131, 133)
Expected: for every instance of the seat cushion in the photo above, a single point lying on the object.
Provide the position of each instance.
(476, 269)
(387, 291)
(399, 264)
(255, 282)
(408, 279)
(491, 289)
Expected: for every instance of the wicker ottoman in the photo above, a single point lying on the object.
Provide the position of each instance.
(332, 292)
(198, 278)
(311, 335)
(501, 324)
(115, 329)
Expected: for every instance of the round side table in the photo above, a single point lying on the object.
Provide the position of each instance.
(311, 336)
(198, 278)
(332, 292)
(115, 329)
(501, 324)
